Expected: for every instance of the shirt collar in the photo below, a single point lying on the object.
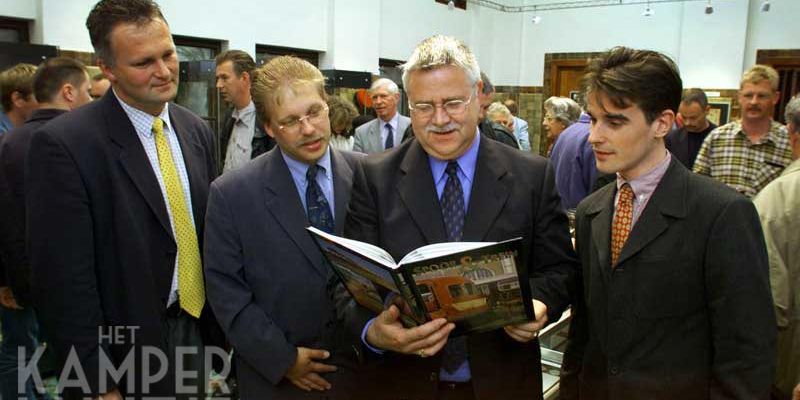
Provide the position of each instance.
(142, 121)
(773, 135)
(645, 184)
(393, 122)
(299, 168)
(466, 163)
(249, 109)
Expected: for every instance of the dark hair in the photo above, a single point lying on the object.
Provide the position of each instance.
(242, 62)
(107, 14)
(18, 78)
(695, 95)
(488, 88)
(511, 105)
(53, 74)
(627, 76)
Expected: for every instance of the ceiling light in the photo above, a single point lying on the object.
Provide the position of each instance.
(451, 5)
(709, 8)
(648, 12)
(765, 6)
(536, 19)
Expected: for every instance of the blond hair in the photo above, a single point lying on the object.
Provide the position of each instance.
(18, 78)
(758, 73)
(284, 72)
(498, 109)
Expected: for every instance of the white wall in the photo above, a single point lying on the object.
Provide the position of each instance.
(711, 50)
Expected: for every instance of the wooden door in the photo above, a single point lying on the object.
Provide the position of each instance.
(787, 63)
(565, 77)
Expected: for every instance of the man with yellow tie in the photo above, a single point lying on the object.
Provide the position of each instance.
(116, 207)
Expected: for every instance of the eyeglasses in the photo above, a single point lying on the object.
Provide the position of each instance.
(313, 117)
(451, 107)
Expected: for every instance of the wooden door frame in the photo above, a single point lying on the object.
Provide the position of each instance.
(780, 58)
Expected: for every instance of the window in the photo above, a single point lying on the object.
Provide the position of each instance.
(265, 53)
(196, 49)
(14, 30)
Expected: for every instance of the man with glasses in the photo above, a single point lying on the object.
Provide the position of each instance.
(268, 283)
(453, 184)
(386, 131)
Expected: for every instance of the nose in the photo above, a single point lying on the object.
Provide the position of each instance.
(306, 128)
(219, 83)
(595, 134)
(440, 116)
(162, 70)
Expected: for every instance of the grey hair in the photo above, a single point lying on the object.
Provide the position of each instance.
(498, 108)
(439, 51)
(792, 113)
(564, 109)
(384, 83)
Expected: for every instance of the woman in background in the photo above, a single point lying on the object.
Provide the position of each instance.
(559, 113)
(341, 113)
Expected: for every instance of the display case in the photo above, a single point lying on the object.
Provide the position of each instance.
(552, 341)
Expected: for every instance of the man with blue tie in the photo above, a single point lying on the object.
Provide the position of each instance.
(268, 282)
(452, 184)
(386, 131)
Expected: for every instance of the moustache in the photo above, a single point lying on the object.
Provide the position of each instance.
(452, 126)
(313, 139)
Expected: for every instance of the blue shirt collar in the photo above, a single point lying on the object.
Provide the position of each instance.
(299, 168)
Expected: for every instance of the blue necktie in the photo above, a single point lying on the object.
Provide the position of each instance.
(455, 352)
(317, 207)
(389, 138)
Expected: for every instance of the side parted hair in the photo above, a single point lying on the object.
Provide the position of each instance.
(440, 51)
(280, 74)
(242, 62)
(629, 77)
(695, 95)
(388, 84)
(564, 109)
(107, 14)
(18, 78)
(758, 73)
(53, 74)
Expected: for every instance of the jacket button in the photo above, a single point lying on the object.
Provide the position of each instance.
(434, 376)
(614, 370)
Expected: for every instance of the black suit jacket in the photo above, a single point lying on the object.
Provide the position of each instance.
(687, 312)
(268, 282)
(678, 143)
(13, 151)
(101, 247)
(394, 205)
(261, 142)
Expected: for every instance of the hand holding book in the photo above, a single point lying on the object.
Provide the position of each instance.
(386, 332)
(527, 331)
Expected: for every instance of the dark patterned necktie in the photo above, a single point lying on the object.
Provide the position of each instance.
(455, 353)
(317, 207)
(389, 138)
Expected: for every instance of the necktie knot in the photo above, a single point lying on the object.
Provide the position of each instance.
(158, 126)
(623, 220)
(626, 193)
(311, 172)
(452, 169)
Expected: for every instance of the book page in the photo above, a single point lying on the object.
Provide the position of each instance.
(440, 249)
(374, 253)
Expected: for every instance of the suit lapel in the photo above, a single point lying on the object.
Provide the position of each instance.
(418, 193)
(375, 135)
(342, 182)
(489, 193)
(134, 160)
(283, 202)
(668, 200)
(601, 212)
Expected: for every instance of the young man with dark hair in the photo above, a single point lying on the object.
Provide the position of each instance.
(115, 207)
(673, 299)
(16, 95)
(685, 142)
(242, 137)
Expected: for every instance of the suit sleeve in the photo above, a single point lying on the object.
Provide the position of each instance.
(740, 305)
(779, 244)
(358, 139)
(61, 239)
(553, 265)
(256, 338)
(362, 213)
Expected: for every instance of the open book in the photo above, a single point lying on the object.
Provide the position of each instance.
(478, 286)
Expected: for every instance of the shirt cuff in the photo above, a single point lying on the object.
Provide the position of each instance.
(364, 338)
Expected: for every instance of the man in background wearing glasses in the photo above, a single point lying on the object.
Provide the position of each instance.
(267, 280)
(452, 184)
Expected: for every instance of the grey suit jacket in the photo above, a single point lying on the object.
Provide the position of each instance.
(368, 136)
(687, 311)
(268, 280)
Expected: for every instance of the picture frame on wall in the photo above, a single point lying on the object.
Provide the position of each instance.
(720, 110)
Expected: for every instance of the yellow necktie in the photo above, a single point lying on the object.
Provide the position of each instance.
(191, 291)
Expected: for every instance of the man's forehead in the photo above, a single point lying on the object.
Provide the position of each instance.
(757, 86)
(600, 103)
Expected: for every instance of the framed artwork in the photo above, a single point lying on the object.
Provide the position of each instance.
(720, 110)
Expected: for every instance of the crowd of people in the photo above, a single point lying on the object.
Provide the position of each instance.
(151, 259)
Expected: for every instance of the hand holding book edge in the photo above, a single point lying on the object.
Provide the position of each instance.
(305, 372)
(425, 340)
(527, 331)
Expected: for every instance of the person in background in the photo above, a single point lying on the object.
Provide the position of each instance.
(685, 139)
(559, 113)
(100, 85)
(16, 94)
(573, 160)
(341, 113)
(386, 131)
(520, 126)
(498, 113)
(777, 206)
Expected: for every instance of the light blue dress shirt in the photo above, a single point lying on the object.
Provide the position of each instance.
(324, 179)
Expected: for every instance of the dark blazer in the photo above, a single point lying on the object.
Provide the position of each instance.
(101, 247)
(677, 142)
(13, 151)
(686, 313)
(261, 143)
(394, 205)
(267, 280)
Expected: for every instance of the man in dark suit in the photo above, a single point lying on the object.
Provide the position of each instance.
(242, 137)
(60, 85)
(684, 142)
(674, 298)
(115, 207)
(268, 282)
(453, 184)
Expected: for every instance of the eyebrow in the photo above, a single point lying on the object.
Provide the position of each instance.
(618, 117)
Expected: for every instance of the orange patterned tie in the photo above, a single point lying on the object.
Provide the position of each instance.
(621, 226)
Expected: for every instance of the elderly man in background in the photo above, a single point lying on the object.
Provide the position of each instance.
(520, 125)
(499, 114)
(387, 130)
(780, 219)
(559, 113)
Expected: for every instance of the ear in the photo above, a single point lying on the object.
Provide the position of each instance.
(68, 92)
(268, 130)
(106, 70)
(17, 98)
(246, 77)
(480, 87)
(663, 123)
